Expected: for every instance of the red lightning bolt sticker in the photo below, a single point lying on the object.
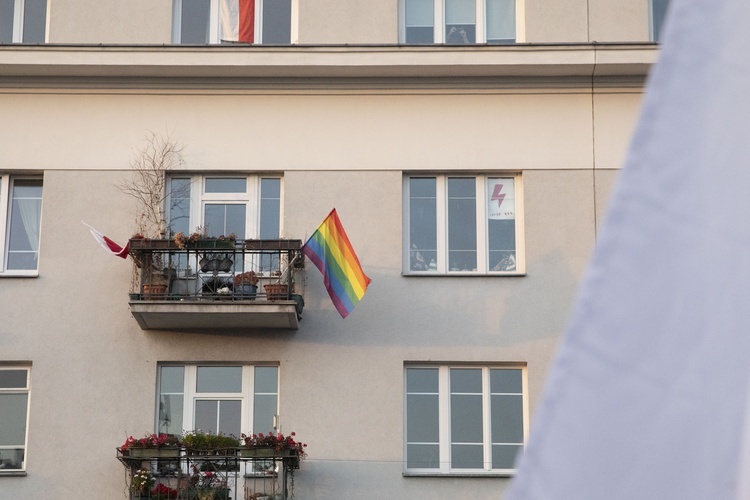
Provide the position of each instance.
(497, 195)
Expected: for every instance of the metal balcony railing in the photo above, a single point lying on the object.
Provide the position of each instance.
(216, 269)
(216, 284)
(221, 475)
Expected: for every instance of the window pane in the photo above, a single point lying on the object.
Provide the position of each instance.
(219, 379)
(226, 185)
(423, 224)
(13, 379)
(420, 21)
(658, 13)
(507, 418)
(270, 208)
(462, 224)
(230, 417)
(460, 22)
(418, 34)
(26, 214)
(460, 11)
(466, 418)
(277, 21)
(506, 381)
(266, 379)
(466, 380)
(179, 206)
(465, 456)
(504, 456)
(501, 224)
(206, 416)
(501, 21)
(223, 219)
(422, 418)
(422, 380)
(11, 459)
(194, 26)
(13, 419)
(34, 21)
(265, 410)
(170, 413)
(6, 21)
(423, 456)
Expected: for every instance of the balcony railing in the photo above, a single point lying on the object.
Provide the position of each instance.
(200, 285)
(221, 475)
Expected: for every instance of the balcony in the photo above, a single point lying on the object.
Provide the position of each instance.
(216, 285)
(222, 475)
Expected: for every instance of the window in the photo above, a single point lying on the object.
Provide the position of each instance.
(231, 399)
(20, 224)
(248, 206)
(658, 12)
(14, 411)
(464, 419)
(231, 21)
(462, 224)
(459, 22)
(23, 21)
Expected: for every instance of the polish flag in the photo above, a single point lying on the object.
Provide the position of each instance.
(108, 244)
(237, 20)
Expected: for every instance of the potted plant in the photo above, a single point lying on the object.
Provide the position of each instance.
(246, 285)
(164, 492)
(151, 446)
(273, 445)
(141, 484)
(200, 443)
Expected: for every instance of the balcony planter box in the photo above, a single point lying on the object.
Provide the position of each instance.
(146, 453)
(265, 453)
(277, 291)
(216, 452)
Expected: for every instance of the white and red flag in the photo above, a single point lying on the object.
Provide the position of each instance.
(237, 20)
(108, 244)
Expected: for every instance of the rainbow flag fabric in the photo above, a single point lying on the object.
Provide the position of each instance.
(331, 252)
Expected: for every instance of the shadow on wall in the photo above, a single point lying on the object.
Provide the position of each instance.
(446, 311)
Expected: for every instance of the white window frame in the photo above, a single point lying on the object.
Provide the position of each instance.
(6, 183)
(482, 225)
(481, 22)
(27, 391)
(444, 418)
(19, 8)
(251, 199)
(213, 19)
(190, 394)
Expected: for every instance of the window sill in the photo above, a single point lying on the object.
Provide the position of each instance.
(19, 274)
(460, 474)
(12, 473)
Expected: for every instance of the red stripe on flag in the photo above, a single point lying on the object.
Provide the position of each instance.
(247, 21)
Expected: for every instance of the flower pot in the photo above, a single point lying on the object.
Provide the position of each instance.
(154, 292)
(277, 291)
(246, 291)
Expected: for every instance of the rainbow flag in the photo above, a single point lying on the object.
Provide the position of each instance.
(329, 249)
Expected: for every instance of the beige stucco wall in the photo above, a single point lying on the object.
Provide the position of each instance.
(348, 21)
(336, 131)
(110, 21)
(618, 21)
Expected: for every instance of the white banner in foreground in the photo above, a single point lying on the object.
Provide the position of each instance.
(647, 397)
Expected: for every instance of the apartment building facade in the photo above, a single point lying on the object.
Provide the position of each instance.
(468, 146)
